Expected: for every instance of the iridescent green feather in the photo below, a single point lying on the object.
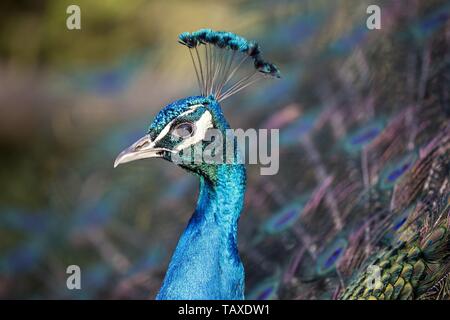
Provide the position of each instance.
(410, 270)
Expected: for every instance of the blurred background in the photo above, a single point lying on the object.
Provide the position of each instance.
(71, 100)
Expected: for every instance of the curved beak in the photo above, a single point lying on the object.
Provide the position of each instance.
(141, 149)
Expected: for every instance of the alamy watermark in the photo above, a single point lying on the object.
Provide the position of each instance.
(373, 280)
(374, 20)
(236, 146)
(73, 21)
(73, 281)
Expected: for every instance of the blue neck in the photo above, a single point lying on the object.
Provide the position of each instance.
(206, 263)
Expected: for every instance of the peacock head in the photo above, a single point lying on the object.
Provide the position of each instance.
(180, 133)
(183, 130)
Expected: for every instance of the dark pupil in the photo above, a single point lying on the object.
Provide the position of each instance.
(184, 130)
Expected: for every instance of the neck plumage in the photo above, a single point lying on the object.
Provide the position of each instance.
(206, 262)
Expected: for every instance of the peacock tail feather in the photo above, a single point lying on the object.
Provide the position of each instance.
(416, 263)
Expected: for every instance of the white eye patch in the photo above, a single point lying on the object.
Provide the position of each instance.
(202, 125)
(167, 128)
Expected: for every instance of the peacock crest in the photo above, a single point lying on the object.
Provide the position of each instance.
(225, 63)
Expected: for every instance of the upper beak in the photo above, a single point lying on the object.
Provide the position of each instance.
(141, 149)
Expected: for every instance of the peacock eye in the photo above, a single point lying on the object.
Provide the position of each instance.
(183, 130)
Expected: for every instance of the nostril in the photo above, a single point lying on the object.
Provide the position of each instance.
(141, 145)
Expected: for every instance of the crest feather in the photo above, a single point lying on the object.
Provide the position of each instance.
(223, 58)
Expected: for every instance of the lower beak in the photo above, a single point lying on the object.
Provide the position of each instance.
(141, 149)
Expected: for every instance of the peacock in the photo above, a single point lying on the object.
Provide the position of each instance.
(400, 252)
(206, 263)
(358, 210)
